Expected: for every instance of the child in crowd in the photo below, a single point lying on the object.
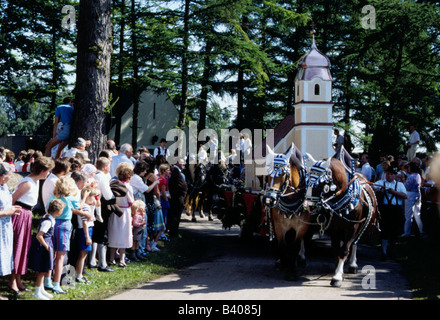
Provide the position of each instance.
(85, 229)
(9, 158)
(41, 254)
(65, 190)
(137, 214)
(90, 171)
(158, 225)
(165, 172)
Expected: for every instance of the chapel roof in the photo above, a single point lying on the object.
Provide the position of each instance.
(314, 64)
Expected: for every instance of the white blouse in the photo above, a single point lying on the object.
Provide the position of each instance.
(31, 197)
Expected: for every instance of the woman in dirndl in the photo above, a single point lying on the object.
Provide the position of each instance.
(7, 210)
(26, 195)
(120, 233)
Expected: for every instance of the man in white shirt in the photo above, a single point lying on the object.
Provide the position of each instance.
(124, 155)
(339, 142)
(213, 149)
(202, 155)
(391, 194)
(365, 167)
(78, 145)
(60, 169)
(111, 147)
(247, 147)
(103, 177)
(414, 140)
(162, 149)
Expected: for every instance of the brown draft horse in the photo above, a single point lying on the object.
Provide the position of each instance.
(345, 205)
(283, 200)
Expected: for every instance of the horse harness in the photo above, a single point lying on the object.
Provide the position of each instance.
(293, 208)
(351, 197)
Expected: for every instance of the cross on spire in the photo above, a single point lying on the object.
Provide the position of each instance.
(313, 35)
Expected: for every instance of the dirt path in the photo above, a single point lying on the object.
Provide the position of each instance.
(237, 270)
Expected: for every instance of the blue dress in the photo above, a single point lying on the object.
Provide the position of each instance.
(6, 233)
(40, 259)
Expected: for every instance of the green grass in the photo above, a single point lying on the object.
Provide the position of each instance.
(173, 255)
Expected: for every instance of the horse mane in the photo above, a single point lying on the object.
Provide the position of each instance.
(296, 158)
(339, 174)
(296, 163)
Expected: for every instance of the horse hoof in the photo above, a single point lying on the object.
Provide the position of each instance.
(353, 270)
(202, 215)
(335, 283)
(210, 219)
(194, 219)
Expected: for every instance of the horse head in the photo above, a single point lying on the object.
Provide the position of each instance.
(320, 183)
(284, 173)
(217, 176)
(326, 178)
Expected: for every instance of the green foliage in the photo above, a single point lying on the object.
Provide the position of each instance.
(36, 53)
(383, 78)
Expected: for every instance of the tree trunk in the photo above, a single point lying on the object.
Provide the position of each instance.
(240, 99)
(92, 73)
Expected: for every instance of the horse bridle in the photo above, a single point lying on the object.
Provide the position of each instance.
(273, 196)
(323, 175)
(318, 176)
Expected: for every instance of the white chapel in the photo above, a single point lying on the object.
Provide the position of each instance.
(310, 128)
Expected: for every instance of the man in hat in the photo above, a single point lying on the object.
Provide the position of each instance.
(390, 194)
(162, 149)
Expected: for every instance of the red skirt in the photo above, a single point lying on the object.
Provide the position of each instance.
(22, 226)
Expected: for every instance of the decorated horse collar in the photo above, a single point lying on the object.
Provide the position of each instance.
(280, 166)
(321, 173)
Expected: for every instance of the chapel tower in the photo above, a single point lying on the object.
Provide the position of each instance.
(313, 104)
